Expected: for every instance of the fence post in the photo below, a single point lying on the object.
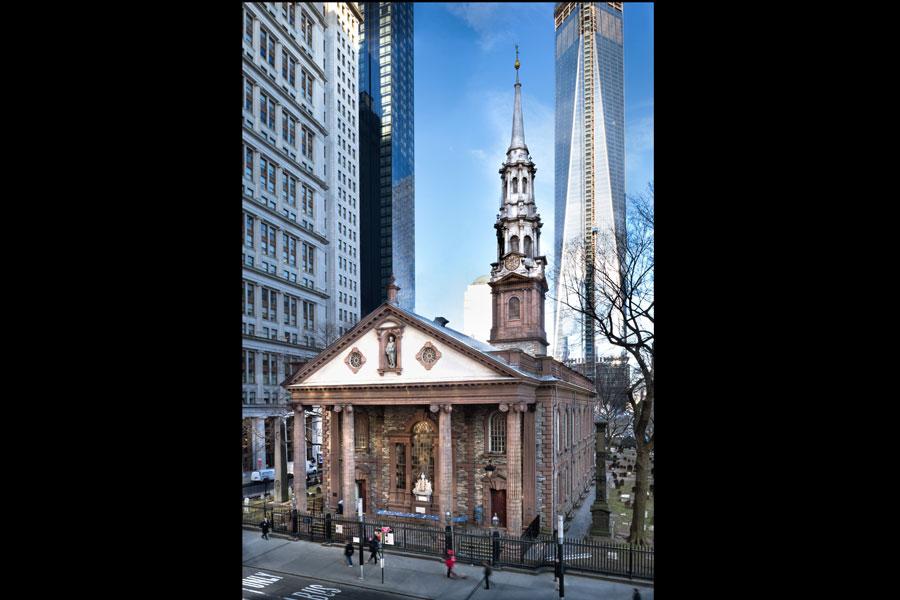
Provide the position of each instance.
(295, 524)
(630, 556)
(328, 527)
(448, 539)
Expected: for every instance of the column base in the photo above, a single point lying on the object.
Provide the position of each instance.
(599, 520)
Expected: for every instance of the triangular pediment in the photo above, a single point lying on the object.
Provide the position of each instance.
(427, 354)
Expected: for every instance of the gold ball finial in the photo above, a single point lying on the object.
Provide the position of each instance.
(517, 57)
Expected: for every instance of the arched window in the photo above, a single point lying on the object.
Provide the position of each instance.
(514, 309)
(515, 185)
(497, 433)
(514, 243)
(423, 450)
(361, 431)
(524, 185)
(528, 246)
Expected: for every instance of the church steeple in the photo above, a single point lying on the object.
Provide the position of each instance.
(518, 128)
(518, 282)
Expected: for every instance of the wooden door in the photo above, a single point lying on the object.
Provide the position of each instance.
(498, 505)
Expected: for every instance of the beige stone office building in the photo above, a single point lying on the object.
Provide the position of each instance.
(424, 422)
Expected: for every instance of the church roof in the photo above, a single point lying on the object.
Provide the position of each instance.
(482, 279)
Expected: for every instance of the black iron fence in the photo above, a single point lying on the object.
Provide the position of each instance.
(606, 558)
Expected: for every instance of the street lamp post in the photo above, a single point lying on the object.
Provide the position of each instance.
(559, 540)
(362, 536)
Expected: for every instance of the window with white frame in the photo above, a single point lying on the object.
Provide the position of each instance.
(308, 139)
(267, 111)
(248, 95)
(309, 316)
(248, 162)
(248, 28)
(289, 250)
(249, 368)
(269, 304)
(248, 230)
(497, 432)
(248, 300)
(267, 239)
(267, 46)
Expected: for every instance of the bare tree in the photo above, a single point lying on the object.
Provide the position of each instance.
(612, 379)
(610, 283)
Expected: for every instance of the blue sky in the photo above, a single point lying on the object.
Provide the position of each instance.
(464, 76)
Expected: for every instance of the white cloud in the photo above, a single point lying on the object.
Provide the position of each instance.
(489, 21)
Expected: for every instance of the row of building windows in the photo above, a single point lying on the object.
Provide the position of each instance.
(269, 364)
(268, 181)
(574, 423)
(303, 26)
(267, 244)
(267, 114)
(269, 306)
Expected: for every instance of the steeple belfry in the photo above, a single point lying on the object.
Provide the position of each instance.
(518, 283)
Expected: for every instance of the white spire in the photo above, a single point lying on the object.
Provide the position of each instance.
(518, 128)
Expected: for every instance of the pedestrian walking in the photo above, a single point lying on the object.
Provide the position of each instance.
(450, 562)
(487, 575)
(373, 548)
(348, 552)
(265, 528)
(636, 595)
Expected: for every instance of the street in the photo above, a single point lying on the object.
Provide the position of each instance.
(280, 568)
(265, 583)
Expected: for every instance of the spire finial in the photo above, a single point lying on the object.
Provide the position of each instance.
(517, 63)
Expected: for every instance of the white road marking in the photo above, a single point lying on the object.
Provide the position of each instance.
(259, 580)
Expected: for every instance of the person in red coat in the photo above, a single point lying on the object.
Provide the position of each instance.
(450, 562)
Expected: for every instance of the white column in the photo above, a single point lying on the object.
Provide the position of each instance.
(259, 443)
(349, 463)
(514, 468)
(445, 443)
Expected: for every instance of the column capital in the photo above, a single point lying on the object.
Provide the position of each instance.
(434, 408)
(348, 407)
(298, 408)
(520, 407)
(448, 408)
(504, 407)
(336, 408)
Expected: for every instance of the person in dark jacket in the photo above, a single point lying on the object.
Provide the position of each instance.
(348, 552)
(373, 548)
(636, 595)
(487, 575)
(265, 528)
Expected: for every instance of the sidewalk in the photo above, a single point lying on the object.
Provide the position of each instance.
(420, 577)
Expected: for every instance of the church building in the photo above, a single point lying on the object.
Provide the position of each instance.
(423, 422)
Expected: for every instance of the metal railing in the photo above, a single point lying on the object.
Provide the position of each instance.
(600, 557)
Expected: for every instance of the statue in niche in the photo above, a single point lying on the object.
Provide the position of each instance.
(423, 486)
(390, 350)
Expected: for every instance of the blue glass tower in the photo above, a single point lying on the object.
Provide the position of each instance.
(589, 154)
(387, 244)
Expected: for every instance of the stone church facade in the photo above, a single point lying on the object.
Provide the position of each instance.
(424, 422)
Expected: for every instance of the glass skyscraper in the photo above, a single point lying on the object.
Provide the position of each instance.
(589, 153)
(386, 77)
